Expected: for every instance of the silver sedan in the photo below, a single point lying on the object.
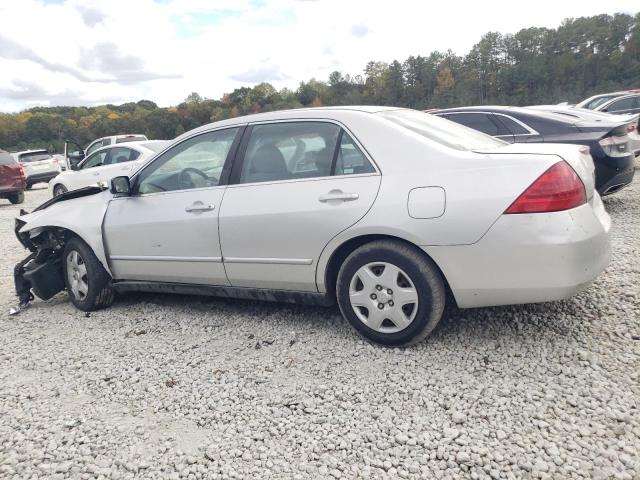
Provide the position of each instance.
(383, 211)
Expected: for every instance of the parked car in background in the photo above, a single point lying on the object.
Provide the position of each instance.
(75, 157)
(632, 121)
(625, 104)
(12, 180)
(104, 164)
(595, 101)
(608, 144)
(39, 166)
(377, 208)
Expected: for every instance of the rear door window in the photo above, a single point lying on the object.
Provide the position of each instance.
(350, 159)
(622, 104)
(34, 157)
(478, 121)
(289, 151)
(123, 155)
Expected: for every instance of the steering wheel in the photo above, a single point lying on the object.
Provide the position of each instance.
(187, 182)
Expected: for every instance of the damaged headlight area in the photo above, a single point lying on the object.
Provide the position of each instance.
(41, 272)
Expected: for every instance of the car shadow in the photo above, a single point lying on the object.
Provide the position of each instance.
(531, 323)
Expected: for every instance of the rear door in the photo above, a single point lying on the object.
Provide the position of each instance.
(294, 187)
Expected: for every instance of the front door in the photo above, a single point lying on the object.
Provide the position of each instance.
(168, 229)
(297, 186)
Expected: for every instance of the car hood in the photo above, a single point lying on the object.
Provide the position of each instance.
(81, 192)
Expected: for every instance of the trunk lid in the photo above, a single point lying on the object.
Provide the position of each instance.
(577, 156)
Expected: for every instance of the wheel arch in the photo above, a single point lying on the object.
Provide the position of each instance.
(341, 252)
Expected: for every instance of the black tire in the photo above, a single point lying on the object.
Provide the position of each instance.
(422, 272)
(29, 186)
(99, 293)
(16, 198)
(59, 189)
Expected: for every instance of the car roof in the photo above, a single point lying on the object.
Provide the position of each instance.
(334, 113)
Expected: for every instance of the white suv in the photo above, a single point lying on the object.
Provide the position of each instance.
(39, 166)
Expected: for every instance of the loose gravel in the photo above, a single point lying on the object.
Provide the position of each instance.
(185, 387)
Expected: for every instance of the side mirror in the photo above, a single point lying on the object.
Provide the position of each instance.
(120, 186)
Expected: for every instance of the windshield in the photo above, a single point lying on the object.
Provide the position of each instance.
(440, 130)
(34, 157)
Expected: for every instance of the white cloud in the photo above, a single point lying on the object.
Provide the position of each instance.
(86, 52)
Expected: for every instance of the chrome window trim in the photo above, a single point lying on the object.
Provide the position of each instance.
(299, 180)
(519, 122)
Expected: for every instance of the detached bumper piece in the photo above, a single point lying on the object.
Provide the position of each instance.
(41, 273)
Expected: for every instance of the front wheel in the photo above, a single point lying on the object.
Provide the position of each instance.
(87, 282)
(16, 198)
(391, 293)
(59, 190)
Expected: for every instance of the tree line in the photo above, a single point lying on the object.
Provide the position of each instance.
(581, 57)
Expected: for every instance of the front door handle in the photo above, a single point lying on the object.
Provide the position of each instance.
(339, 196)
(96, 174)
(199, 207)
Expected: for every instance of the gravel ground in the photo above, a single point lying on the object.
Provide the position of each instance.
(186, 387)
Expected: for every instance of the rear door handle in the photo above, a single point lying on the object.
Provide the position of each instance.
(338, 195)
(199, 207)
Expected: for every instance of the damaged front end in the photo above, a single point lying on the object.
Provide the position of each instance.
(41, 272)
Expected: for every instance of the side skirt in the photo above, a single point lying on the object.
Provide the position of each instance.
(284, 296)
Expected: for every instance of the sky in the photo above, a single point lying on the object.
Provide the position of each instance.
(89, 52)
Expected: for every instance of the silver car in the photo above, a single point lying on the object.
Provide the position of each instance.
(380, 210)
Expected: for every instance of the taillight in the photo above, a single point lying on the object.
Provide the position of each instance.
(557, 189)
(631, 128)
(615, 145)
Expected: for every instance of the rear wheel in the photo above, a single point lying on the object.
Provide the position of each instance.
(16, 198)
(29, 186)
(87, 282)
(59, 190)
(390, 292)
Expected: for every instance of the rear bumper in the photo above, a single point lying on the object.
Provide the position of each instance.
(529, 258)
(41, 177)
(612, 174)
